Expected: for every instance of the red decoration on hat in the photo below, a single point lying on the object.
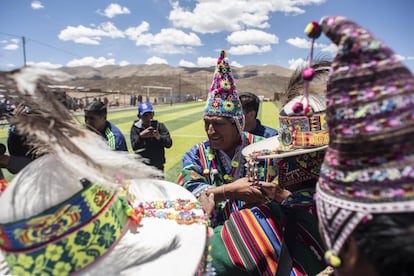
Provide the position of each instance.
(312, 30)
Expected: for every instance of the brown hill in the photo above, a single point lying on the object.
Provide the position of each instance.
(129, 80)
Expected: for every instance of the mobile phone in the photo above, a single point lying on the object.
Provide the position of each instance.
(154, 124)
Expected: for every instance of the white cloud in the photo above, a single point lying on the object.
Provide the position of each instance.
(156, 60)
(235, 64)
(167, 41)
(295, 63)
(170, 49)
(232, 15)
(91, 61)
(206, 61)
(169, 37)
(252, 37)
(36, 5)
(15, 40)
(410, 58)
(85, 35)
(11, 47)
(298, 42)
(399, 57)
(124, 63)
(249, 49)
(331, 48)
(44, 64)
(134, 32)
(304, 43)
(185, 63)
(10, 65)
(113, 10)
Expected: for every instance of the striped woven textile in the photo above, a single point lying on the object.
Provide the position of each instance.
(250, 242)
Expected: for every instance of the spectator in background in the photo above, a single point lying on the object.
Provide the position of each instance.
(20, 152)
(250, 103)
(95, 120)
(149, 138)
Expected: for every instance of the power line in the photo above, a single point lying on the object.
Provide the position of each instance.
(55, 48)
(25, 39)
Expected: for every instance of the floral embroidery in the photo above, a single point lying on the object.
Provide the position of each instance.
(228, 106)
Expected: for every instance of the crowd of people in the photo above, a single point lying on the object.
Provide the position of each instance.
(330, 191)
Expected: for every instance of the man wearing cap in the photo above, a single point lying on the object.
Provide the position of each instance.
(96, 120)
(149, 138)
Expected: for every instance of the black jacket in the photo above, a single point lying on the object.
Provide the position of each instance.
(151, 148)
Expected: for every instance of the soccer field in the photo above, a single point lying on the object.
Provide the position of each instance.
(184, 121)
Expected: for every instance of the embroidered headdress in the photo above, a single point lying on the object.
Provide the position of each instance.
(368, 166)
(55, 221)
(296, 154)
(223, 99)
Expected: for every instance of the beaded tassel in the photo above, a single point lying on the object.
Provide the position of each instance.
(313, 30)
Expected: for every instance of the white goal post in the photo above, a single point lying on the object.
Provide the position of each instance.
(148, 87)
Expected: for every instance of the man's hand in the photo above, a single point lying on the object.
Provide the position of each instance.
(273, 191)
(208, 203)
(242, 189)
(149, 132)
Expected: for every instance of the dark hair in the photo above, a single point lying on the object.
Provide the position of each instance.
(387, 242)
(96, 107)
(249, 101)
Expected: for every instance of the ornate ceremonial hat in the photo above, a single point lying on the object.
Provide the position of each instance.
(368, 166)
(296, 153)
(223, 99)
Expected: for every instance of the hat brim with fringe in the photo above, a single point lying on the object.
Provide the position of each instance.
(267, 148)
(157, 246)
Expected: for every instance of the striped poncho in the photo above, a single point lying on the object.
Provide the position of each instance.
(250, 241)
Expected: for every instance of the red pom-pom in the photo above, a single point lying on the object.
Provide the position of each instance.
(297, 107)
(308, 73)
(313, 30)
(308, 111)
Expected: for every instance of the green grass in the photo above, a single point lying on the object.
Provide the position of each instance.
(184, 121)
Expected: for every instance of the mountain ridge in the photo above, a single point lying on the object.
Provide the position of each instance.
(264, 80)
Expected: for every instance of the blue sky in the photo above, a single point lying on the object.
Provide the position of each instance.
(188, 32)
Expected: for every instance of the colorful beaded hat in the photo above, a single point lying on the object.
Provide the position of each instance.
(54, 221)
(223, 99)
(300, 133)
(296, 154)
(368, 166)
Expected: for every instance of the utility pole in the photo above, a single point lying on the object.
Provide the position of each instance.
(24, 50)
(179, 87)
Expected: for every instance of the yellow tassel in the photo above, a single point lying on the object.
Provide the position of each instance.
(331, 259)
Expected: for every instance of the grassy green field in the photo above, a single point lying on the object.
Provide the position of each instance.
(184, 121)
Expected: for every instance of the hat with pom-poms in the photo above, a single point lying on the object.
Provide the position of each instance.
(223, 99)
(368, 167)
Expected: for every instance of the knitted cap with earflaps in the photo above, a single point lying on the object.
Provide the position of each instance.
(369, 165)
(223, 99)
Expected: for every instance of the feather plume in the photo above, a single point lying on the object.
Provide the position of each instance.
(295, 84)
(53, 129)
